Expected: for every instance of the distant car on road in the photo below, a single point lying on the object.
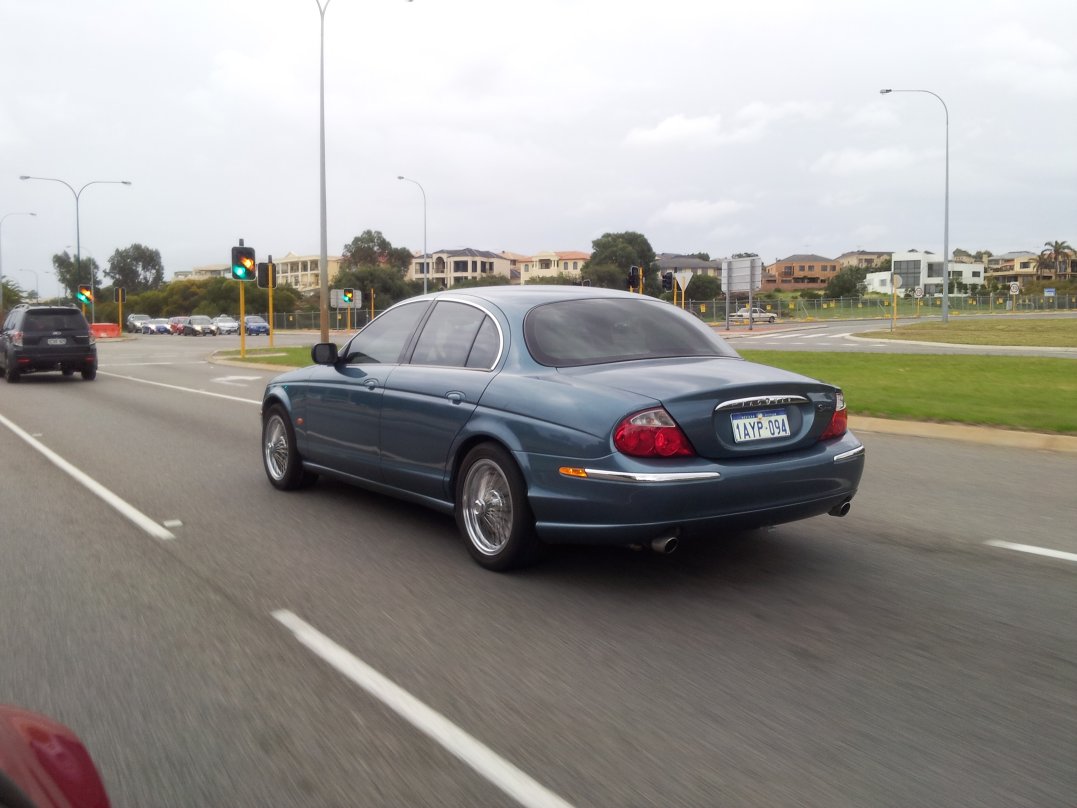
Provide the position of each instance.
(158, 325)
(135, 321)
(757, 315)
(199, 325)
(253, 324)
(226, 324)
(176, 324)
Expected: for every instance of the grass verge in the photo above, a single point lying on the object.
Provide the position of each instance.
(1011, 392)
(1041, 332)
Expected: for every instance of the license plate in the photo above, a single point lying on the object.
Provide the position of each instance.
(760, 425)
(57, 341)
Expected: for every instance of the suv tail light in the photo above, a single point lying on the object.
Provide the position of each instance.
(651, 433)
(16, 339)
(839, 421)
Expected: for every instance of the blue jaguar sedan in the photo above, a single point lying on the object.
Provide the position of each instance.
(562, 414)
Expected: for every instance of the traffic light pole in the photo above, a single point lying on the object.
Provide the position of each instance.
(270, 260)
(242, 318)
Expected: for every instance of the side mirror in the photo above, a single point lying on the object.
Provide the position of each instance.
(324, 353)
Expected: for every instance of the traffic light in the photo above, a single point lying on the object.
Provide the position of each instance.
(633, 277)
(119, 294)
(264, 276)
(347, 297)
(667, 281)
(243, 268)
(85, 294)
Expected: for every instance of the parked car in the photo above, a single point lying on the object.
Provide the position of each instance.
(158, 325)
(562, 414)
(176, 324)
(44, 338)
(226, 324)
(757, 315)
(135, 321)
(199, 325)
(253, 324)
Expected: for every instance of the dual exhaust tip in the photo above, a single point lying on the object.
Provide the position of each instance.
(842, 509)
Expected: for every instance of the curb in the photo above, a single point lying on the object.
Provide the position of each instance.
(967, 434)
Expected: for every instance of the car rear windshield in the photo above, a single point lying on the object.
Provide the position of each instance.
(590, 332)
(55, 320)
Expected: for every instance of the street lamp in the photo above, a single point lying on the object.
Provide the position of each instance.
(946, 207)
(323, 258)
(37, 283)
(426, 257)
(78, 235)
(2, 254)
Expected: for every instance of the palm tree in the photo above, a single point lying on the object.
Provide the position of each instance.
(1054, 253)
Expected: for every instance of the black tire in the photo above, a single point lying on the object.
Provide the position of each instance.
(11, 374)
(89, 374)
(492, 511)
(280, 458)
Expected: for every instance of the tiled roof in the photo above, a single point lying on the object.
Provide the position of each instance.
(812, 258)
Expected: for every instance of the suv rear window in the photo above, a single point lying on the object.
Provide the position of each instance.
(55, 320)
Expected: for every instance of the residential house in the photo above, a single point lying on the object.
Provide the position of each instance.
(449, 267)
(799, 272)
(863, 259)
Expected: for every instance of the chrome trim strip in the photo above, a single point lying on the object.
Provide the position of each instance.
(849, 455)
(759, 401)
(630, 477)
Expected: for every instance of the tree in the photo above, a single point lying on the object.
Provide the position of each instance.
(704, 287)
(959, 253)
(604, 276)
(622, 250)
(1056, 252)
(137, 268)
(71, 276)
(849, 282)
(372, 249)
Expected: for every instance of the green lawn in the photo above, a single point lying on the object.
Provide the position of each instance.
(1045, 332)
(1012, 392)
(293, 357)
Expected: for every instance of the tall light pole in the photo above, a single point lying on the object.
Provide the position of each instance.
(426, 255)
(946, 207)
(2, 254)
(78, 235)
(323, 258)
(37, 283)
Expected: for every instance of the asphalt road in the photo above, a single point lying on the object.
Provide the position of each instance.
(891, 658)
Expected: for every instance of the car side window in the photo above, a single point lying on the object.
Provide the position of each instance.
(385, 338)
(448, 335)
(486, 346)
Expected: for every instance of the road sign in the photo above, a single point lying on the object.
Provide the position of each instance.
(1015, 288)
(896, 279)
(1048, 292)
(684, 277)
(918, 292)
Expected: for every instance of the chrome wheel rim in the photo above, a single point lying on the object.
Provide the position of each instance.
(276, 447)
(487, 504)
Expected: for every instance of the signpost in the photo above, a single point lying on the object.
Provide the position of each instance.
(684, 277)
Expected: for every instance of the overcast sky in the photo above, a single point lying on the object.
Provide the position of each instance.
(535, 125)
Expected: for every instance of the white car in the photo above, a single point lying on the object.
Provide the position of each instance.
(226, 325)
(757, 315)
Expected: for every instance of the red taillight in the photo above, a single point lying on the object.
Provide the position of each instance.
(16, 339)
(839, 421)
(651, 433)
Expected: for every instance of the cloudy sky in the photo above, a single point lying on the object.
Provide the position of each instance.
(533, 125)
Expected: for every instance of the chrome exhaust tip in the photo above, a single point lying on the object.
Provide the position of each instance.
(664, 545)
(842, 509)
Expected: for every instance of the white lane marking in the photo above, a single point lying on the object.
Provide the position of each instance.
(128, 510)
(236, 381)
(1030, 548)
(172, 523)
(182, 389)
(471, 751)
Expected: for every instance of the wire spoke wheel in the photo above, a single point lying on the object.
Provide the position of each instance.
(492, 511)
(276, 448)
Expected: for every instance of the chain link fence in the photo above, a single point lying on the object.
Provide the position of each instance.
(878, 307)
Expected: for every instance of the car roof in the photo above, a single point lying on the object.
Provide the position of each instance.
(519, 299)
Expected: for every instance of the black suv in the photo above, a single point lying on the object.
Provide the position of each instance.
(38, 338)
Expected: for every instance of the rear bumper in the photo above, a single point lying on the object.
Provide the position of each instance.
(77, 358)
(745, 494)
